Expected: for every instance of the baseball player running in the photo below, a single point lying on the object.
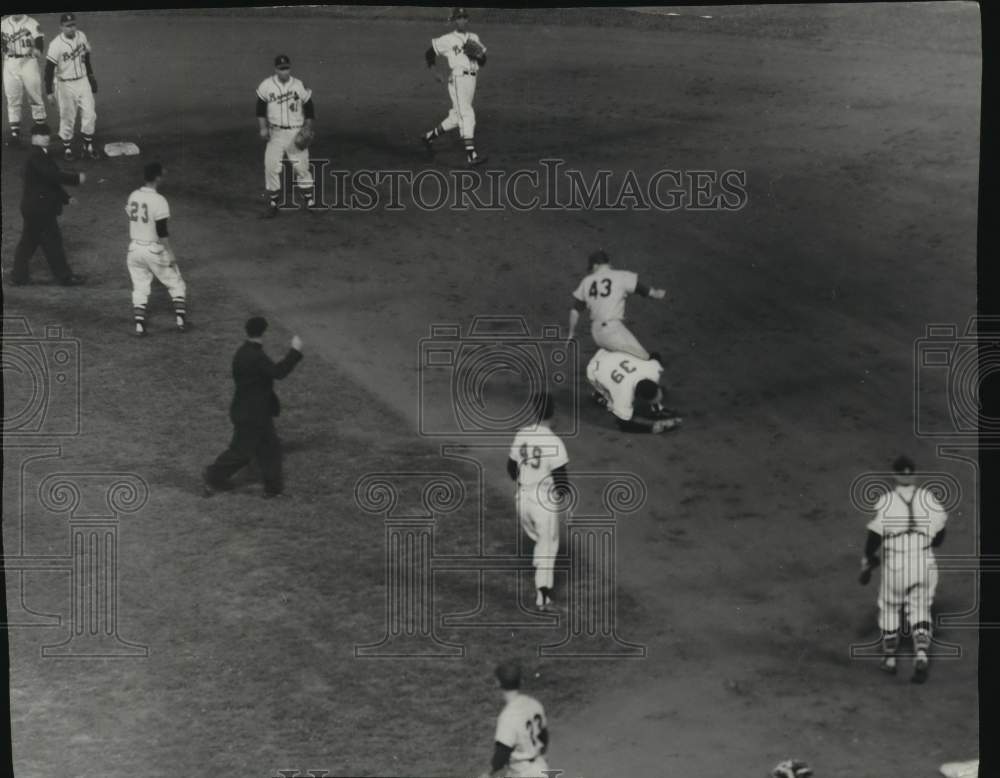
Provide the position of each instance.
(465, 54)
(537, 463)
(630, 388)
(603, 291)
(908, 524)
(22, 41)
(69, 69)
(149, 252)
(522, 734)
(285, 114)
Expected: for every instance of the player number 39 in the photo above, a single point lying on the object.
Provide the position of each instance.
(617, 375)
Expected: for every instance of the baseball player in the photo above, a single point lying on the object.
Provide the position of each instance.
(149, 252)
(603, 291)
(537, 464)
(522, 734)
(68, 63)
(285, 114)
(465, 54)
(629, 387)
(22, 41)
(908, 524)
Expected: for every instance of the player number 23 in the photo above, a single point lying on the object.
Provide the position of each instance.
(534, 727)
(534, 458)
(618, 375)
(133, 213)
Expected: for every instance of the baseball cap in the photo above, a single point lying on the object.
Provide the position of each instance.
(459, 13)
(66, 18)
(282, 61)
(904, 466)
(255, 326)
(599, 257)
(509, 675)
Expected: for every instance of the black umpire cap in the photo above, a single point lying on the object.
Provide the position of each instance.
(282, 61)
(255, 326)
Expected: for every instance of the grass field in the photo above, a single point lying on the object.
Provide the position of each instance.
(788, 333)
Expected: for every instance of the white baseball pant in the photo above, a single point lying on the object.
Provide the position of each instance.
(75, 95)
(911, 590)
(21, 77)
(541, 523)
(461, 89)
(534, 768)
(613, 335)
(148, 261)
(279, 145)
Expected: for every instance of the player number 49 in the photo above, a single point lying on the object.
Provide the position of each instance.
(534, 458)
(534, 727)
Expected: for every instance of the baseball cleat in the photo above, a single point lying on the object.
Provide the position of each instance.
(476, 160)
(888, 665)
(68, 154)
(140, 330)
(91, 153)
(181, 324)
(600, 399)
(921, 666)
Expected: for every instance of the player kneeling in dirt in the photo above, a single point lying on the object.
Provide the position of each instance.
(630, 388)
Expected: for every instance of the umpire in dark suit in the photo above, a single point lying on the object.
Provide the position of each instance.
(252, 412)
(43, 201)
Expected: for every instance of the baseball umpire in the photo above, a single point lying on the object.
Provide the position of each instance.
(252, 412)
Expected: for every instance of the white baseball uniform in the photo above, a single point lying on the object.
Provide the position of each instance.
(147, 256)
(538, 451)
(72, 86)
(614, 375)
(285, 118)
(907, 519)
(604, 291)
(21, 75)
(461, 81)
(518, 727)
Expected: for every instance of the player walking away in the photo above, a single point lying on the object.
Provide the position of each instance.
(150, 254)
(537, 463)
(603, 291)
(22, 41)
(70, 71)
(522, 734)
(908, 524)
(284, 109)
(465, 54)
(41, 204)
(630, 388)
(252, 412)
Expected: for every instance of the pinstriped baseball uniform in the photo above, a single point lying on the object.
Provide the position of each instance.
(72, 87)
(20, 68)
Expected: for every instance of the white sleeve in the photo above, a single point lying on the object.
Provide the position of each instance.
(579, 293)
(514, 453)
(631, 279)
(161, 210)
(36, 31)
(260, 90)
(85, 42)
(440, 45)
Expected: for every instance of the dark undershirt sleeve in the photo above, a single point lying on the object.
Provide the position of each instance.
(641, 289)
(308, 109)
(872, 541)
(579, 305)
(512, 469)
(560, 480)
(161, 228)
(86, 64)
(261, 108)
(430, 56)
(938, 539)
(50, 75)
(501, 756)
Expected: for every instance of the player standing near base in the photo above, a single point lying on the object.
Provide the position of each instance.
(69, 70)
(522, 733)
(22, 41)
(908, 525)
(285, 114)
(537, 463)
(465, 54)
(150, 254)
(603, 291)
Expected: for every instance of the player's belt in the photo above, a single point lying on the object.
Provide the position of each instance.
(71, 79)
(285, 127)
(21, 56)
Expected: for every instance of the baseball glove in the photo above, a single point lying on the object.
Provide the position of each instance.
(792, 768)
(866, 570)
(473, 50)
(304, 138)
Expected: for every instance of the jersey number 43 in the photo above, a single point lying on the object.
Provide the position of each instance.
(604, 291)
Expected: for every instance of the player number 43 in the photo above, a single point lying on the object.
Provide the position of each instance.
(604, 291)
(618, 375)
(133, 213)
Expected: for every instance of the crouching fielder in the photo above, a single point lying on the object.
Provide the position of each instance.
(908, 524)
(537, 463)
(149, 252)
(630, 388)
